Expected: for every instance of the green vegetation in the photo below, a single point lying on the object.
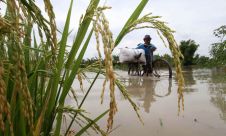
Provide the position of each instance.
(218, 50)
(188, 49)
(37, 72)
(203, 61)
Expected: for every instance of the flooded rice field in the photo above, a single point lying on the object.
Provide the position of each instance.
(200, 112)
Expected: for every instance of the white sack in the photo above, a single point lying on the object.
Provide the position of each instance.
(127, 55)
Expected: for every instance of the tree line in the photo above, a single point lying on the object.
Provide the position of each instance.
(217, 53)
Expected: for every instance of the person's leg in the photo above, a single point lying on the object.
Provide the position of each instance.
(148, 60)
(151, 60)
(149, 63)
(129, 68)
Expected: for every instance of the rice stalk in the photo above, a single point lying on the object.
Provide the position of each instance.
(91, 123)
(80, 81)
(5, 26)
(97, 128)
(80, 125)
(180, 99)
(17, 42)
(80, 105)
(82, 122)
(161, 37)
(82, 31)
(102, 27)
(74, 96)
(97, 36)
(60, 62)
(31, 79)
(49, 9)
(102, 92)
(131, 19)
(4, 107)
(71, 110)
(21, 81)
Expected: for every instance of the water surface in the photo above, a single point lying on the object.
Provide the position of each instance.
(202, 109)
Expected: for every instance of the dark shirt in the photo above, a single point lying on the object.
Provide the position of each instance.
(148, 49)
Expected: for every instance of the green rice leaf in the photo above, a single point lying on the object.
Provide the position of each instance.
(75, 68)
(69, 81)
(132, 18)
(82, 30)
(60, 61)
(84, 129)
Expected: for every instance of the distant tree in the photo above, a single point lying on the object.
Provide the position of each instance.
(157, 56)
(188, 49)
(218, 50)
(202, 61)
(166, 57)
(169, 59)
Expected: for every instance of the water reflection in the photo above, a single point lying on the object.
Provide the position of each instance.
(188, 75)
(216, 80)
(205, 114)
(149, 91)
(189, 79)
(146, 89)
(217, 87)
(219, 101)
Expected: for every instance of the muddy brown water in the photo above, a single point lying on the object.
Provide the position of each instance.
(202, 109)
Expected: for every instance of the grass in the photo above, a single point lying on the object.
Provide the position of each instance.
(36, 75)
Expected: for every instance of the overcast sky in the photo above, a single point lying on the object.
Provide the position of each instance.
(191, 19)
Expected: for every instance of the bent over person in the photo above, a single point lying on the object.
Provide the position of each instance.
(148, 49)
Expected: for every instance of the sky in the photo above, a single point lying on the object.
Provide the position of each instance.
(191, 19)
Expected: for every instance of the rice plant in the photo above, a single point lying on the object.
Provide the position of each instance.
(36, 72)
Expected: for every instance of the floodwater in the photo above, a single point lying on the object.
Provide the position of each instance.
(200, 112)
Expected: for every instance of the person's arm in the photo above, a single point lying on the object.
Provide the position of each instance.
(153, 48)
(139, 46)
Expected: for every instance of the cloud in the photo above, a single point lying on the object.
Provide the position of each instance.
(192, 19)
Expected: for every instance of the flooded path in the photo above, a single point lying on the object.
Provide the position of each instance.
(204, 106)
